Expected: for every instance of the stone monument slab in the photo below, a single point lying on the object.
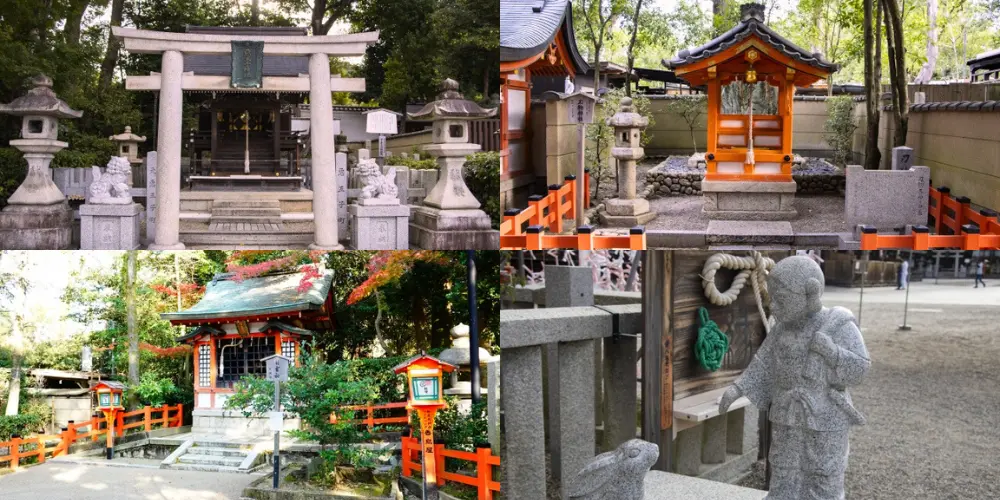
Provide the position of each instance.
(902, 158)
(887, 199)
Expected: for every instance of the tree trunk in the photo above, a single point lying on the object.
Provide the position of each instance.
(927, 70)
(111, 56)
(897, 71)
(597, 67)
(631, 48)
(17, 356)
(873, 68)
(133, 333)
(255, 13)
(74, 19)
(319, 7)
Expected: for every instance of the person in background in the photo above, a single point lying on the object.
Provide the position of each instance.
(903, 276)
(980, 265)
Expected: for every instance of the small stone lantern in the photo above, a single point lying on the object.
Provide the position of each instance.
(128, 144)
(37, 216)
(458, 355)
(450, 218)
(627, 210)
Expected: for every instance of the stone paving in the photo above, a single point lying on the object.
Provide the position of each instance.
(71, 481)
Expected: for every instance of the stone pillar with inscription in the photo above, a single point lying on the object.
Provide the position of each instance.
(450, 217)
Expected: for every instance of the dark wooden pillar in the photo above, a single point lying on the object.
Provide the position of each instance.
(215, 136)
(657, 355)
(277, 138)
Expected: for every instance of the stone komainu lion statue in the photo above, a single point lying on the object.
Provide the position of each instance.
(377, 185)
(111, 187)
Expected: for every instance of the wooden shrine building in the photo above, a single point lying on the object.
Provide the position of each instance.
(238, 323)
(537, 52)
(753, 146)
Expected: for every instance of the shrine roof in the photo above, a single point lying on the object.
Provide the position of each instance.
(228, 298)
(278, 325)
(985, 61)
(752, 23)
(110, 384)
(527, 27)
(221, 64)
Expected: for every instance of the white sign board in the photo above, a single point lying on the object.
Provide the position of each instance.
(277, 368)
(277, 419)
(581, 108)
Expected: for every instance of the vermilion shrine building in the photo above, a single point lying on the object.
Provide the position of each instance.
(236, 325)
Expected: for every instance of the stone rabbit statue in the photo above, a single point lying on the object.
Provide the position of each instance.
(615, 475)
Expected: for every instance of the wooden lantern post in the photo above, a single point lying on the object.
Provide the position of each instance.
(424, 379)
(109, 402)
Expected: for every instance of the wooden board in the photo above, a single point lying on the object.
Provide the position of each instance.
(740, 321)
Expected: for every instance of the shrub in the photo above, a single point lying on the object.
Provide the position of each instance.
(154, 391)
(458, 430)
(421, 164)
(21, 425)
(839, 128)
(482, 175)
(13, 169)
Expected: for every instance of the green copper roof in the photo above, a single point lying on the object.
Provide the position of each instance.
(227, 298)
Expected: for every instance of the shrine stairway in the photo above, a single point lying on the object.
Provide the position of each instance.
(212, 456)
(259, 221)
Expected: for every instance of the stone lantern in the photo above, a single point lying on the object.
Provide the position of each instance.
(627, 210)
(450, 218)
(37, 216)
(458, 355)
(128, 144)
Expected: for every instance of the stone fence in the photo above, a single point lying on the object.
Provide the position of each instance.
(75, 182)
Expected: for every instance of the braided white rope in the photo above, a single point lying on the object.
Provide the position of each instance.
(754, 268)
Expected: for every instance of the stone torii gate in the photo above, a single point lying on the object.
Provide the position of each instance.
(171, 81)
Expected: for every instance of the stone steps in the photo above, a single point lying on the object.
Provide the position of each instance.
(246, 204)
(223, 461)
(243, 224)
(211, 456)
(246, 212)
(214, 239)
(218, 451)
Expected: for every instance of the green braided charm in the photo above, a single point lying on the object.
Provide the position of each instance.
(712, 343)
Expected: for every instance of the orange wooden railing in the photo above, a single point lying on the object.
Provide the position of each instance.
(96, 427)
(956, 225)
(546, 213)
(370, 421)
(484, 459)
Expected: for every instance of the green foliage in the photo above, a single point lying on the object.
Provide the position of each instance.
(601, 136)
(21, 425)
(482, 175)
(690, 109)
(421, 164)
(458, 430)
(153, 390)
(13, 169)
(839, 128)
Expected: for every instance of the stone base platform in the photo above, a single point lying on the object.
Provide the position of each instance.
(109, 227)
(436, 229)
(246, 220)
(664, 485)
(380, 227)
(749, 200)
(234, 425)
(36, 227)
(245, 183)
(626, 213)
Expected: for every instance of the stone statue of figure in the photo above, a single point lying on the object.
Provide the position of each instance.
(615, 475)
(803, 369)
(111, 187)
(377, 186)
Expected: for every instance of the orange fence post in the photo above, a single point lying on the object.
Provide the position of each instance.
(371, 417)
(146, 419)
(963, 206)
(484, 472)
(535, 203)
(439, 464)
(586, 188)
(15, 451)
(970, 237)
(510, 218)
(180, 414)
(119, 423)
(555, 209)
(921, 238)
(571, 181)
(40, 449)
(95, 428)
(533, 239)
(637, 238)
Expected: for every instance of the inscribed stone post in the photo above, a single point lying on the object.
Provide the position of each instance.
(521, 377)
(902, 158)
(343, 221)
(150, 195)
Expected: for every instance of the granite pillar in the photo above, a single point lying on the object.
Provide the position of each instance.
(323, 159)
(576, 408)
(522, 409)
(687, 447)
(168, 148)
(713, 449)
(741, 430)
(619, 391)
(492, 405)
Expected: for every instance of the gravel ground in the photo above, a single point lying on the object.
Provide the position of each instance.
(608, 189)
(931, 400)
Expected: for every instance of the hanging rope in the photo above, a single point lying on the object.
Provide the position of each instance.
(753, 268)
(712, 344)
